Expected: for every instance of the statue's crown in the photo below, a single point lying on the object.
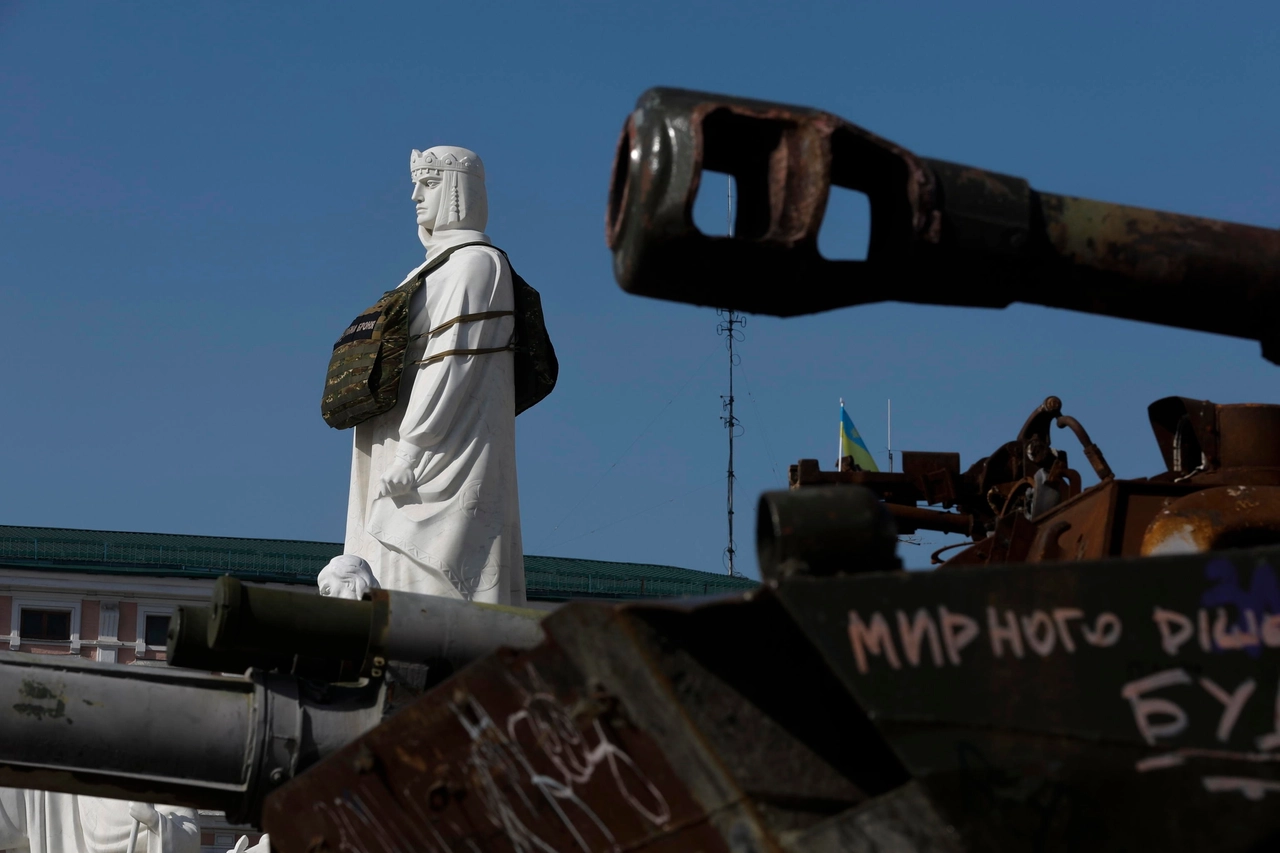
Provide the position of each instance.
(421, 161)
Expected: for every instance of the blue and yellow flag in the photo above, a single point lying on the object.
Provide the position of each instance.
(851, 444)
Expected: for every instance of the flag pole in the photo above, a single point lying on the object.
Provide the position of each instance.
(840, 437)
(890, 442)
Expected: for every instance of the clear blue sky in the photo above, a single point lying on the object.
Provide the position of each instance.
(196, 197)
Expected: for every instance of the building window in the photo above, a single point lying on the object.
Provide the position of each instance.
(45, 620)
(46, 624)
(157, 630)
(153, 627)
(224, 840)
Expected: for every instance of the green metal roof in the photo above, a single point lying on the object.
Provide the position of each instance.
(291, 561)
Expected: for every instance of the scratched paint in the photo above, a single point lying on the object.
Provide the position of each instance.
(43, 703)
(502, 761)
(516, 754)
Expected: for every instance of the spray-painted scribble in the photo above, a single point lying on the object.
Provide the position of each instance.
(1252, 789)
(504, 761)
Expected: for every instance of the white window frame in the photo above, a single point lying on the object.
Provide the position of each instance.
(151, 608)
(15, 620)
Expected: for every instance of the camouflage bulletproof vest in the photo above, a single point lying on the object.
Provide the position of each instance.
(369, 358)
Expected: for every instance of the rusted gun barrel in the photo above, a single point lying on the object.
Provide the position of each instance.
(941, 233)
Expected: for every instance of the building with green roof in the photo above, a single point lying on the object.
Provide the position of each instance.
(108, 595)
(298, 562)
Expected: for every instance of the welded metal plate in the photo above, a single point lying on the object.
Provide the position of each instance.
(516, 753)
(1105, 705)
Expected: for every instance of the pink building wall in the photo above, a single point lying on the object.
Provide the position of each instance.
(128, 632)
(89, 613)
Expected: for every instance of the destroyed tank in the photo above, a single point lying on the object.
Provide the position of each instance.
(1095, 669)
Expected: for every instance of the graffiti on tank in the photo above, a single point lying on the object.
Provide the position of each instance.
(539, 754)
(1237, 617)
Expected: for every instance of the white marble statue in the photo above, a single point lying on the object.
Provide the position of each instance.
(242, 845)
(433, 505)
(49, 822)
(346, 576)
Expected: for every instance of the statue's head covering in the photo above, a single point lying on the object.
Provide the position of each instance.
(464, 204)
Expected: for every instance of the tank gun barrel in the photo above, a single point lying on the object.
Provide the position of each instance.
(169, 735)
(333, 639)
(941, 233)
(321, 672)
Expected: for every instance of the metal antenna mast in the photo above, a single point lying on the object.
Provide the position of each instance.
(731, 328)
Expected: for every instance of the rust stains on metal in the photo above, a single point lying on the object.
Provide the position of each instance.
(39, 697)
(1154, 245)
(1184, 271)
(784, 160)
(1221, 489)
(1212, 519)
(35, 690)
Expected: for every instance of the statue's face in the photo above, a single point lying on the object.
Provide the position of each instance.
(427, 193)
(350, 587)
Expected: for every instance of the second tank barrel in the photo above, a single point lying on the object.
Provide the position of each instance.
(427, 627)
(332, 639)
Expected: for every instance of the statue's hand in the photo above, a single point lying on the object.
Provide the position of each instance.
(398, 479)
(145, 814)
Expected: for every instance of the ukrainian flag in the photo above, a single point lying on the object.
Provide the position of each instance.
(851, 444)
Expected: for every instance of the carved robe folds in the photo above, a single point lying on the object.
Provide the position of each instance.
(458, 533)
(48, 822)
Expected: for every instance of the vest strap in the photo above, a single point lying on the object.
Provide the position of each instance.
(441, 355)
(469, 318)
